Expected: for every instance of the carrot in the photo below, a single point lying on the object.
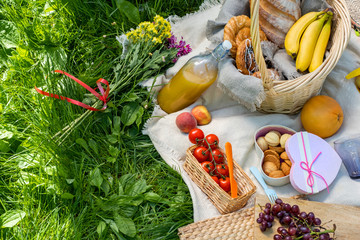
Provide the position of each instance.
(233, 185)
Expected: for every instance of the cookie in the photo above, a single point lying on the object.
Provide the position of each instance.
(284, 156)
(276, 174)
(285, 168)
(273, 159)
(277, 149)
(271, 152)
(269, 167)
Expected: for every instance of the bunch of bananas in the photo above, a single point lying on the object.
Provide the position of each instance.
(307, 39)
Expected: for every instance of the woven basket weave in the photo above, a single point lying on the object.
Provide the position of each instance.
(233, 226)
(289, 96)
(221, 199)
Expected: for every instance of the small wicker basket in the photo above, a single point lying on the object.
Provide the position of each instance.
(221, 199)
(289, 96)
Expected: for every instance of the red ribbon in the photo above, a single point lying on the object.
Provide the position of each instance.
(310, 178)
(103, 97)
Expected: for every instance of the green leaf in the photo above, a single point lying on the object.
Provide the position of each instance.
(105, 186)
(101, 227)
(93, 146)
(131, 97)
(113, 226)
(96, 178)
(125, 225)
(9, 36)
(117, 122)
(11, 218)
(82, 143)
(152, 197)
(113, 151)
(111, 159)
(128, 211)
(70, 181)
(139, 116)
(137, 188)
(4, 146)
(130, 113)
(109, 204)
(130, 200)
(67, 196)
(112, 138)
(130, 11)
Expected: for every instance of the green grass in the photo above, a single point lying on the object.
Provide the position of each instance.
(104, 174)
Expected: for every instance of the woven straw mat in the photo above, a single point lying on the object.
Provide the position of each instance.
(232, 226)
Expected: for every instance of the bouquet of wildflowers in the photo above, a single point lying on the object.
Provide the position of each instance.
(152, 46)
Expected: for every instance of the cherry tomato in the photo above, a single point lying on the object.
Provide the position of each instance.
(201, 153)
(222, 170)
(196, 136)
(215, 179)
(217, 156)
(212, 141)
(225, 184)
(208, 166)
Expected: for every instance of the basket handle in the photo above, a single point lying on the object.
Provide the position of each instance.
(255, 37)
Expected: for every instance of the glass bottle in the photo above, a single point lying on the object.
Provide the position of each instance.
(192, 80)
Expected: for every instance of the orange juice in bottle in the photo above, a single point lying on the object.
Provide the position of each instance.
(192, 80)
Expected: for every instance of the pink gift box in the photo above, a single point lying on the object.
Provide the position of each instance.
(315, 164)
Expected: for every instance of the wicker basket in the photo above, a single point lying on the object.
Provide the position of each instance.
(233, 226)
(221, 199)
(289, 96)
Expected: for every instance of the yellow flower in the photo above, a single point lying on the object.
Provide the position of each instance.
(155, 32)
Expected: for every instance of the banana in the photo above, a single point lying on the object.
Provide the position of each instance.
(354, 73)
(308, 42)
(321, 45)
(292, 38)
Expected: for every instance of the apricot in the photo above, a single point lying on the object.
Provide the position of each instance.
(185, 122)
(201, 114)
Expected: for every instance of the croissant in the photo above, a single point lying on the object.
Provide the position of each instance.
(233, 26)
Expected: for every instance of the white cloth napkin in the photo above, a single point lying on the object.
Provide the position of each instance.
(233, 123)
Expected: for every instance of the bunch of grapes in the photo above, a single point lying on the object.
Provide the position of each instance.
(300, 225)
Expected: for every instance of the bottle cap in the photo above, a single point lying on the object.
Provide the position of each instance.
(227, 45)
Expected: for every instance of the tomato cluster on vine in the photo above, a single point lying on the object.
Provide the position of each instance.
(210, 157)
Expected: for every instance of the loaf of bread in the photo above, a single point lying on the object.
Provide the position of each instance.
(276, 18)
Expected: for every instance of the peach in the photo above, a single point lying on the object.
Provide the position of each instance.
(201, 114)
(185, 122)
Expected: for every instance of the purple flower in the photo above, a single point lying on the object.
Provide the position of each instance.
(183, 49)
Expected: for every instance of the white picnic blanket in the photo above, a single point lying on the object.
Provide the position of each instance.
(233, 123)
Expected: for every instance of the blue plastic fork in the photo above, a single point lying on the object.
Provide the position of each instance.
(271, 194)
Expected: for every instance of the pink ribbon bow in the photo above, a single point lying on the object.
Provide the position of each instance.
(305, 165)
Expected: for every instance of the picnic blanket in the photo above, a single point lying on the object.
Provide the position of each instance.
(234, 123)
